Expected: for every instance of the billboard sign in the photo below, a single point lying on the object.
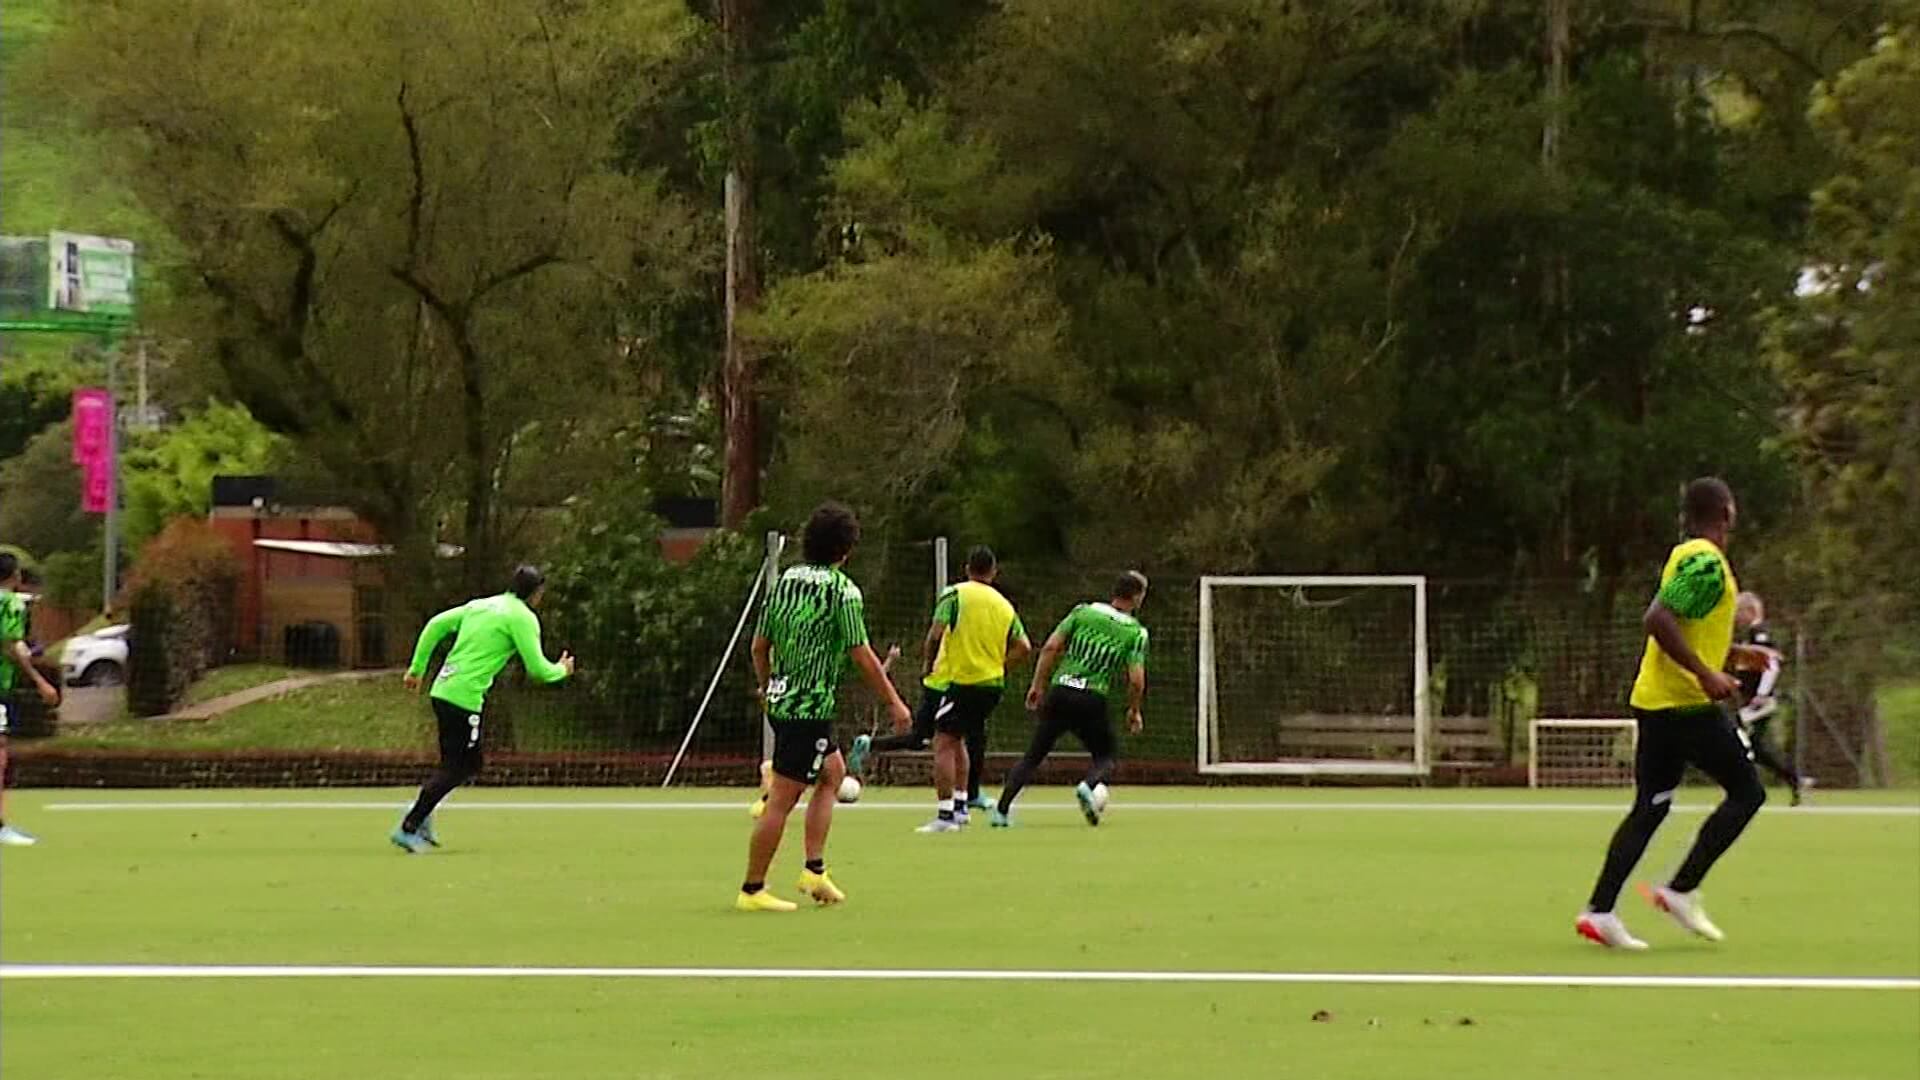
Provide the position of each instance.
(89, 274)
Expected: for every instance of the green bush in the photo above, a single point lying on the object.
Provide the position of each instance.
(647, 632)
(182, 613)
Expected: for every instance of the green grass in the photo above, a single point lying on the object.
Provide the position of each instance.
(234, 678)
(1900, 720)
(361, 714)
(1192, 890)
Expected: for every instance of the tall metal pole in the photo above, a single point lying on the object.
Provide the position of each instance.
(110, 565)
(939, 565)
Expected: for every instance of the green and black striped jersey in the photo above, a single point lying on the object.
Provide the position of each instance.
(1103, 642)
(813, 618)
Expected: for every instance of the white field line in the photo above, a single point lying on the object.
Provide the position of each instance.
(739, 805)
(1306, 978)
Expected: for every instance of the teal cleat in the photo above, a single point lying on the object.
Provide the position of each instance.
(980, 802)
(999, 820)
(1085, 795)
(411, 843)
(426, 832)
(857, 759)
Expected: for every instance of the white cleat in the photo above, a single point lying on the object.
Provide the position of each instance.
(939, 825)
(1606, 928)
(1686, 910)
(12, 837)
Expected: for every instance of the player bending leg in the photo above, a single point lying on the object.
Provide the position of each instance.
(490, 631)
(1091, 648)
(1675, 702)
(975, 636)
(16, 660)
(813, 625)
(1758, 704)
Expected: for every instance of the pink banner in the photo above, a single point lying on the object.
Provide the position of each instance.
(93, 447)
(92, 421)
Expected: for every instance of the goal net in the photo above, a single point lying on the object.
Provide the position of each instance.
(1313, 675)
(1581, 753)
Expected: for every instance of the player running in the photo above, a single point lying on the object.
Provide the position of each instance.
(1092, 647)
(1675, 701)
(1758, 704)
(490, 631)
(15, 660)
(813, 626)
(975, 637)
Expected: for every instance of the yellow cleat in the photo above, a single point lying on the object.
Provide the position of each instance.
(821, 888)
(759, 808)
(762, 901)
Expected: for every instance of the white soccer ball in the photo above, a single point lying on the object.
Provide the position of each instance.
(1100, 797)
(850, 790)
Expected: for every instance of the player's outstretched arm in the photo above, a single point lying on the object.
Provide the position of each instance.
(1136, 695)
(1043, 668)
(431, 635)
(876, 679)
(1019, 648)
(526, 642)
(762, 663)
(1663, 626)
(22, 658)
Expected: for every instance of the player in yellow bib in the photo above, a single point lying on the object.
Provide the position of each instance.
(975, 636)
(1677, 704)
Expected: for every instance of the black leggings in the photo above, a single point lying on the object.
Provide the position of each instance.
(460, 760)
(1670, 740)
(1066, 710)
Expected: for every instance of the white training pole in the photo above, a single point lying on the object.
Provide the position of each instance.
(719, 670)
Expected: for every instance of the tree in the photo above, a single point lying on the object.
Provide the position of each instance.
(1847, 347)
(169, 473)
(41, 508)
(418, 263)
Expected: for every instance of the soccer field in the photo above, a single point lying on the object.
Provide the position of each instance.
(1256, 899)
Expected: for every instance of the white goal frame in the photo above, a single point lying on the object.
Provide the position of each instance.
(1209, 712)
(1534, 727)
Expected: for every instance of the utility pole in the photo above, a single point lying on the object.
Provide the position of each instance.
(110, 564)
(739, 369)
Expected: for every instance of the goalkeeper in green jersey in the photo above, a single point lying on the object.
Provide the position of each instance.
(489, 632)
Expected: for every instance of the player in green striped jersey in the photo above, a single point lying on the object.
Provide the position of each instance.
(812, 629)
(1093, 648)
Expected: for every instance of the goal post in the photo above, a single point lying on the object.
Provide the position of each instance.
(1303, 675)
(1581, 752)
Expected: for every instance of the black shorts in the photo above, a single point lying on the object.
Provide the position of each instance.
(1082, 714)
(459, 736)
(801, 748)
(963, 710)
(1704, 737)
(924, 724)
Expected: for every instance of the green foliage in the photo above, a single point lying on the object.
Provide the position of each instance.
(1846, 349)
(75, 578)
(41, 507)
(150, 677)
(35, 393)
(183, 595)
(421, 277)
(169, 473)
(648, 633)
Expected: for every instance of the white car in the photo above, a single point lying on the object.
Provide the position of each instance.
(96, 659)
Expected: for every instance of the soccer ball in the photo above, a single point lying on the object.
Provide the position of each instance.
(1100, 798)
(850, 790)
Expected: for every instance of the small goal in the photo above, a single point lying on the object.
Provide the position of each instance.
(1581, 753)
(1313, 675)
